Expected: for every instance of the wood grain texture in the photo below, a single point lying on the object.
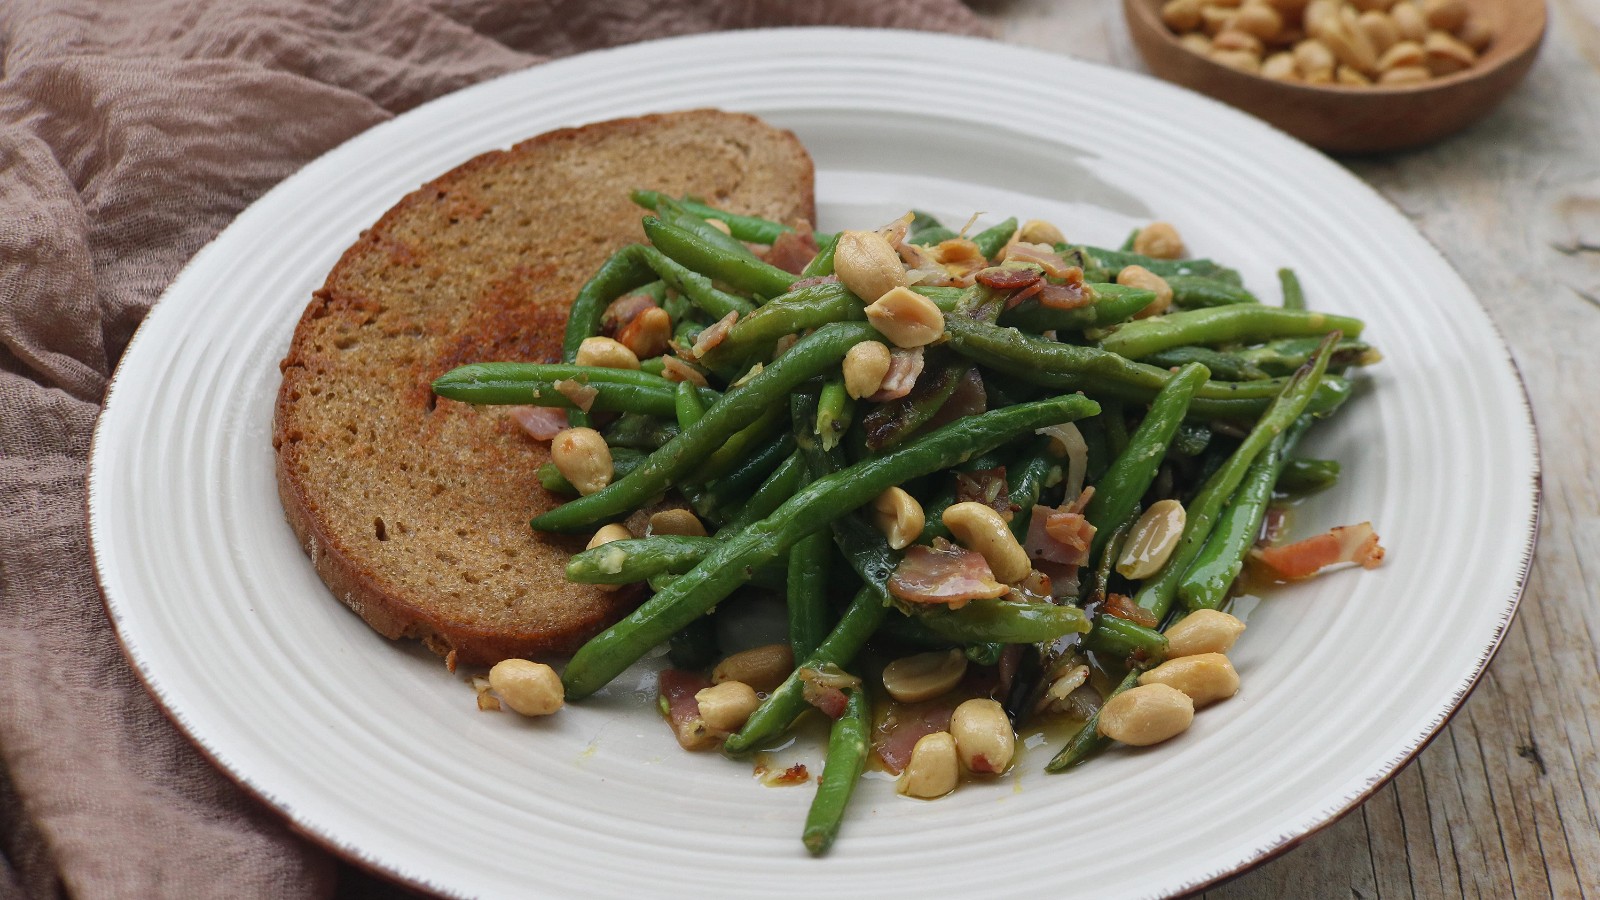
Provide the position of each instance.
(1505, 803)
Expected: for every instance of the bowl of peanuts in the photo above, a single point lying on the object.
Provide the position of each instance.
(1347, 76)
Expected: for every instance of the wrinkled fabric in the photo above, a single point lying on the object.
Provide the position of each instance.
(131, 132)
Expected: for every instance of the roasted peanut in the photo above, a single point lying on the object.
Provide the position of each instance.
(984, 740)
(1258, 18)
(864, 368)
(1314, 59)
(1445, 15)
(1409, 21)
(866, 263)
(1242, 60)
(906, 318)
(1380, 30)
(1160, 239)
(724, 707)
(608, 533)
(1347, 75)
(763, 668)
(1203, 631)
(1444, 55)
(1280, 67)
(899, 517)
(605, 353)
(1215, 18)
(677, 521)
(1373, 5)
(529, 688)
(1405, 75)
(1152, 539)
(1147, 714)
(1196, 43)
(1181, 15)
(979, 527)
(1404, 55)
(1475, 34)
(1140, 277)
(1038, 231)
(924, 676)
(648, 334)
(1205, 677)
(582, 457)
(1228, 40)
(933, 769)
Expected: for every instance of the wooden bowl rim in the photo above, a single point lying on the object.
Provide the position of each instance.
(1147, 14)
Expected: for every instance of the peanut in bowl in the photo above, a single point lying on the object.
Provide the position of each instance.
(1347, 77)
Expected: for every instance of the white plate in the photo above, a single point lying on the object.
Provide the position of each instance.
(373, 749)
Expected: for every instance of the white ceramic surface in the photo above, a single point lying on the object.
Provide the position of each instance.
(373, 749)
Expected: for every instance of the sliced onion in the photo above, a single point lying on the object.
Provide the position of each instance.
(1069, 440)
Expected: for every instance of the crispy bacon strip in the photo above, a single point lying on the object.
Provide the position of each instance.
(1002, 279)
(1045, 257)
(1123, 607)
(904, 367)
(1344, 544)
(944, 573)
(542, 423)
(1058, 536)
(908, 724)
(1064, 296)
(793, 250)
(715, 334)
(683, 710)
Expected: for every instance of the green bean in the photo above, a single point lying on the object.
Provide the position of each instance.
(640, 432)
(1002, 621)
(695, 646)
(1122, 640)
(769, 578)
(784, 705)
(636, 559)
(1307, 476)
(809, 559)
(821, 265)
(527, 383)
(692, 286)
(821, 351)
(754, 229)
(927, 230)
(754, 336)
(1220, 325)
(1223, 366)
(889, 424)
(622, 272)
(655, 365)
(623, 461)
(834, 411)
(946, 298)
(1191, 440)
(824, 500)
(739, 446)
(687, 404)
(745, 273)
(1200, 291)
(1156, 594)
(676, 214)
(1129, 242)
(1089, 741)
(779, 486)
(1112, 303)
(730, 492)
(1105, 562)
(1065, 367)
(1117, 492)
(1284, 356)
(1221, 558)
(847, 757)
(1025, 479)
(1294, 297)
(1114, 261)
(1116, 425)
(992, 239)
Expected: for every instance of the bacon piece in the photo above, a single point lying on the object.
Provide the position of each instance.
(944, 573)
(582, 395)
(968, 399)
(1032, 290)
(986, 486)
(715, 334)
(793, 250)
(1344, 544)
(683, 711)
(827, 698)
(1064, 296)
(1002, 279)
(1059, 537)
(542, 423)
(906, 725)
(904, 367)
(675, 369)
(1045, 257)
(1123, 607)
(623, 310)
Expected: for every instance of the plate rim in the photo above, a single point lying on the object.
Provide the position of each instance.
(393, 870)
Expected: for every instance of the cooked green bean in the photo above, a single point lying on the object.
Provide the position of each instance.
(779, 486)
(1294, 296)
(1122, 640)
(1002, 621)
(1284, 356)
(810, 558)
(821, 265)
(834, 411)
(1117, 492)
(1025, 480)
(623, 461)
(745, 273)
(1156, 594)
(825, 499)
(692, 286)
(640, 432)
(889, 424)
(616, 390)
(695, 646)
(847, 757)
(926, 230)
(622, 272)
(1206, 584)
(1200, 292)
(730, 492)
(687, 405)
(1307, 476)
(821, 351)
(754, 229)
(1220, 325)
(676, 214)
(1114, 261)
(992, 239)
(1223, 366)
(1112, 303)
(636, 559)
(754, 336)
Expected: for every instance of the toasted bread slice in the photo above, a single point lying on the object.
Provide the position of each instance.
(415, 510)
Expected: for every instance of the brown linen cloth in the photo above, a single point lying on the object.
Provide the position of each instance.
(131, 132)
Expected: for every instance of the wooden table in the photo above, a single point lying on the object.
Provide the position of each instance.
(1506, 801)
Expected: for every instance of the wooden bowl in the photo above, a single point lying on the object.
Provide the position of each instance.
(1343, 119)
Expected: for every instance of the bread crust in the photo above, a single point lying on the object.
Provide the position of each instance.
(413, 510)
